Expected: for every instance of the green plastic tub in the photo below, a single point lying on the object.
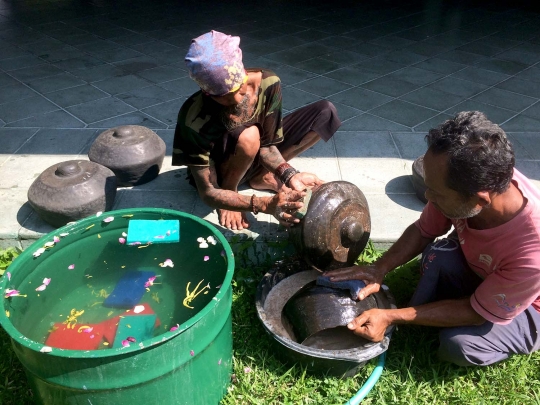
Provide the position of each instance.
(189, 358)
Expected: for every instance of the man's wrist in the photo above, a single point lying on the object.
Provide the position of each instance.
(259, 204)
(285, 172)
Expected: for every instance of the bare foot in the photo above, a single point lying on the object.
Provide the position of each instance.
(265, 182)
(233, 220)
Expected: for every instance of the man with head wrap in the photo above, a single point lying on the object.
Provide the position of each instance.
(232, 131)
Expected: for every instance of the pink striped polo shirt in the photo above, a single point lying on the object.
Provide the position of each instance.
(506, 257)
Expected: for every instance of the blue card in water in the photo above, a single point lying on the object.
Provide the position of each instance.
(154, 231)
(129, 290)
(138, 327)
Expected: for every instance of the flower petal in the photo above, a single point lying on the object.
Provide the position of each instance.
(48, 244)
(71, 267)
(8, 275)
(99, 213)
(10, 293)
(41, 287)
(46, 281)
(247, 370)
(124, 234)
(203, 245)
(108, 219)
(192, 353)
(39, 252)
(167, 263)
(175, 327)
(64, 234)
(200, 239)
(206, 258)
(46, 349)
(131, 339)
(125, 343)
(138, 309)
(122, 240)
(56, 239)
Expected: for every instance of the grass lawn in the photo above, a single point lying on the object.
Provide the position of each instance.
(412, 374)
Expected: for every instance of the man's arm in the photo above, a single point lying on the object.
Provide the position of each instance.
(271, 157)
(216, 197)
(372, 324)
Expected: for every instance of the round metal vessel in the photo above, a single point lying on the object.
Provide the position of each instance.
(336, 226)
(134, 153)
(72, 190)
(327, 347)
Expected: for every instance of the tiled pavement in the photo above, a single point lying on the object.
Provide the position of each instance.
(394, 69)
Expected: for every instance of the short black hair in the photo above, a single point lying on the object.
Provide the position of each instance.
(480, 156)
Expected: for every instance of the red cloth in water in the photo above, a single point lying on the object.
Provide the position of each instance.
(63, 337)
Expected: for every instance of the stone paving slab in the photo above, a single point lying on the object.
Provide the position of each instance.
(394, 69)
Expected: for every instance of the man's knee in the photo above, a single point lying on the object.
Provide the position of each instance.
(451, 348)
(326, 109)
(466, 349)
(249, 141)
(444, 254)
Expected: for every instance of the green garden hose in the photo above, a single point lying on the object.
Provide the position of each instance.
(370, 383)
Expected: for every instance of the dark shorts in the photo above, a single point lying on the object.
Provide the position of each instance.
(320, 117)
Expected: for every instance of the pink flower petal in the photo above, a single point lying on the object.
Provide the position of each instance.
(108, 219)
(131, 339)
(56, 239)
(11, 293)
(175, 327)
(46, 281)
(167, 263)
(219, 362)
(247, 370)
(88, 330)
(206, 258)
(8, 275)
(125, 343)
(71, 267)
(41, 287)
(192, 353)
(122, 240)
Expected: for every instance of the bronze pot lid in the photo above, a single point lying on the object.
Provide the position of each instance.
(71, 184)
(125, 146)
(335, 228)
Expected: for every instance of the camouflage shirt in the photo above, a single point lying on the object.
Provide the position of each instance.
(200, 127)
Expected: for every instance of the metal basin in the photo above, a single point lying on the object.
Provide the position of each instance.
(318, 340)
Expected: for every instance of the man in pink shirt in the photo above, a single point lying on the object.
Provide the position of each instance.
(481, 284)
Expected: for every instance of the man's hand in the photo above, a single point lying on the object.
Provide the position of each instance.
(301, 181)
(371, 324)
(371, 275)
(284, 204)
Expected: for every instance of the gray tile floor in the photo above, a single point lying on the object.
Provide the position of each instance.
(394, 69)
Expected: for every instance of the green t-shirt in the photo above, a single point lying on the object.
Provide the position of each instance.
(200, 128)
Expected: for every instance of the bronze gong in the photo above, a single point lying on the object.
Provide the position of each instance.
(335, 228)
